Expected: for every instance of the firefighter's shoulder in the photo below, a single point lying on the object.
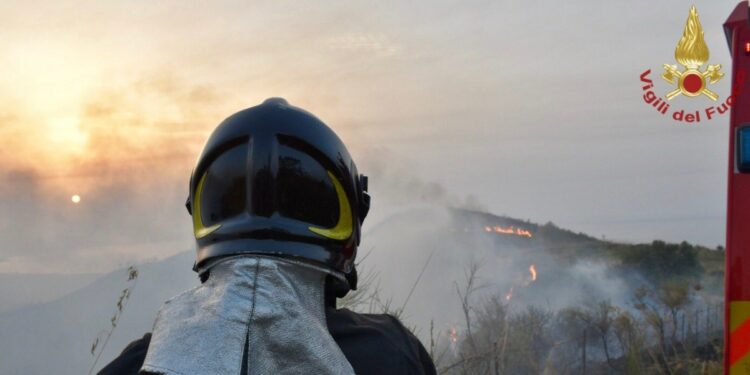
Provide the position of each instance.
(372, 343)
(378, 343)
(131, 359)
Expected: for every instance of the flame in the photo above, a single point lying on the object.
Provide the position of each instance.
(523, 233)
(500, 229)
(692, 51)
(508, 230)
(453, 335)
(522, 282)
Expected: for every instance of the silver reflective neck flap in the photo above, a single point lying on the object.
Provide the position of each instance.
(274, 306)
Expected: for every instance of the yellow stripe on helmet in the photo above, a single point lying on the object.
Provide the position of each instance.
(343, 229)
(199, 229)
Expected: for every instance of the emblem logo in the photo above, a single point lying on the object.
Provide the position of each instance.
(691, 78)
(692, 52)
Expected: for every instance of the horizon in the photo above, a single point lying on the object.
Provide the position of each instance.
(488, 107)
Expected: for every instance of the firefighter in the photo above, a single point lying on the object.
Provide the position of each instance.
(277, 207)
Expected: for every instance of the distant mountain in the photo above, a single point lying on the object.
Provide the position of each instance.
(56, 337)
(18, 289)
(417, 260)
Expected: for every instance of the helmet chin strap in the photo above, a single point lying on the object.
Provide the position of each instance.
(237, 320)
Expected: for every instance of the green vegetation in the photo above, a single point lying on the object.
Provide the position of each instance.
(659, 310)
(666, 330)
(660, 261)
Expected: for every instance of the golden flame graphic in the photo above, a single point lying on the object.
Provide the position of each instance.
(692, 53)
(692, 50)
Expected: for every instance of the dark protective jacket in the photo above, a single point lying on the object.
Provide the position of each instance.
(372, 343)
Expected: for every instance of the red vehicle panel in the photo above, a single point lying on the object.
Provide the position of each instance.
(737, 277)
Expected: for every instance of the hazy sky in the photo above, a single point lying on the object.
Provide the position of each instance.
(531, 109)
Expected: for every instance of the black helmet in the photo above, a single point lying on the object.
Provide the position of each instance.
(275, 180)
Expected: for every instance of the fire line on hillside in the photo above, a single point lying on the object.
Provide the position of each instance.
(525, 283)
(508, 230)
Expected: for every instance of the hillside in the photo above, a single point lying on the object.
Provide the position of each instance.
(413, 263)
(17, 289)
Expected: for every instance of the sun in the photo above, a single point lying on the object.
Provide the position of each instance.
(75, 198)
